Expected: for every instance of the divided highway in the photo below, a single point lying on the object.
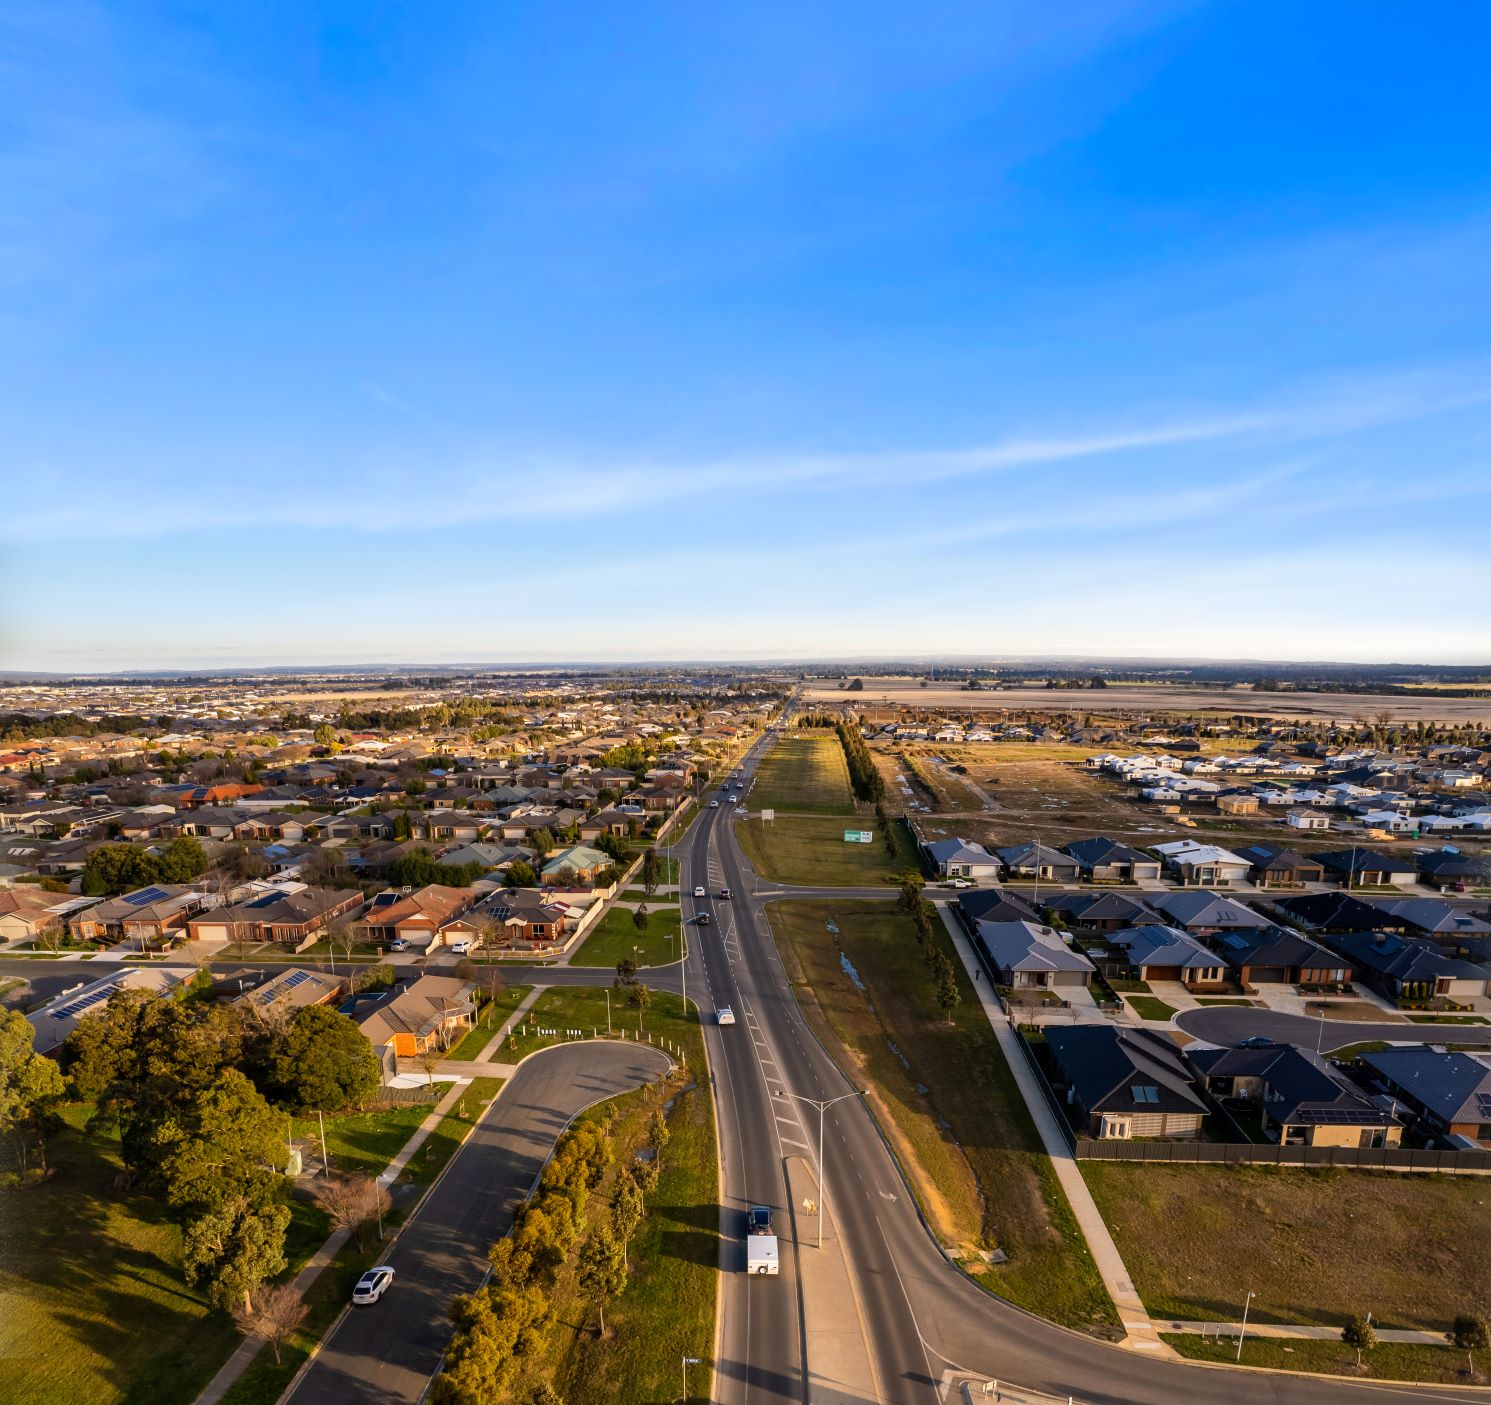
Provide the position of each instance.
(920, 1315)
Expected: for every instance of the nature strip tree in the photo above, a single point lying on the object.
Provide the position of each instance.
(601, 1271)
(1471, 1334)
(272, 1314)
(1360, 1334)
(352, 1202)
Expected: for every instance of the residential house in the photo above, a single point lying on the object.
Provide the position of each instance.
(1449, 868)
(1361, 867)
(1198, 865)
(429, 1013)
(290, 917)
(1102, 860)
(1448, 1091)
(148, 916)
(527, 917)
(1122, 1083)
(1038, 861)
(58, 1018)
(1204, 913)
(424, 918)
(1101, 912)
(1168, 954)
(27, 911)
(1307, 820)
(1275, 955)
(1431, 917)
(955, 858)
(1276, 867)
(1410, 969)
(1238, 802)
(577, 865)
(1028, 956)
(1333, 912)
(994, 905)
(290, 990)
(1303, 1100)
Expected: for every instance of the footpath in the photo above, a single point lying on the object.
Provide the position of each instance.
(1139, 1331)
(249, 1349)
(837, 1361)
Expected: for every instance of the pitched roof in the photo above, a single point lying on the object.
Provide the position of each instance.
(1200, 908)
(418, 1009)
(1164, 946)
(1028, 946)
(1455, 1087)
(1102, 850)
(1303, 1088)
(1115, 1069)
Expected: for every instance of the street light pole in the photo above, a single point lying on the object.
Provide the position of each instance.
(1244, 1331)
(823, 1105)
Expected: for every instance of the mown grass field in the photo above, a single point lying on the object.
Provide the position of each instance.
(804, 772)
(946, 1099)
(810, 849)
(1316, 1247)
(615, 938)
(493, 1016)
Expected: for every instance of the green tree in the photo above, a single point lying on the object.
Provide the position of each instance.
(601, 1271)
(117, 868)
(910, 899)
(30, 1087)
(627, 1210)
(1360, 1334)
(543, 840)
(325, 734)
(1471, 1333)
(652, 871)
(325, 1062)
(657, 1131)
(639, 918)
(183, 860)
(945, 975)
(495, 1329)
(520, 874)
(230, 1251)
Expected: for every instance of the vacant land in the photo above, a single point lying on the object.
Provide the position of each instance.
(1149, 699)
(616, 938)
(810, 849)
(1316, 1247)
(946, 1099)
(804, 772)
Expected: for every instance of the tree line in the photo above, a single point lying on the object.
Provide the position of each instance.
(943, 973)
(864, 776)
(505, 1325)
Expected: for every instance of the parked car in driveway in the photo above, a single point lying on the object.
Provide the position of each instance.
(460, 946)
(398, 944)
(372, 1285)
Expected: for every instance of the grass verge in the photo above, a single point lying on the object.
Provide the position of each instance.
(615, 937)
(804, 772)
(1151, 1007)
(493, 1016)
(1388, 1361)
(947, 1101)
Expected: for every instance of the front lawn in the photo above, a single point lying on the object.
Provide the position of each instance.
(1315, 1246)
(947, 1101)
(493, 1016)
(361, 1143)
(1151, 1007)
(810, 850)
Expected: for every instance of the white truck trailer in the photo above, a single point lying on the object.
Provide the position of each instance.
(761, 1241)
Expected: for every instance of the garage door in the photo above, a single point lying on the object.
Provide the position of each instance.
(1264, 974)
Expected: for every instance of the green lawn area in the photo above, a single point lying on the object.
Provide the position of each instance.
(1315, 1246)
(362, 1143)
(583, 1007)
(90, 1275)
(947, 1101)
(804, 771)
(1448, 1019)
(493, 1016)
(615, 936)
(1388, 1361)
(1151, 1007)
(810, 849)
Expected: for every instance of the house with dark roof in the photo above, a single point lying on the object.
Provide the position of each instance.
(1277, 867)
(1432, 917)
(288, 917)
(1101, 912)
(1334, 912)
(1304, 1101)
(1447, 1090)
(1103, 860)
(1121, 1083)
(1029, 956)
(1359, 867)
(1202, 913)
(1038, 861)
(995, 905)
(1449, 868)
(1275, 955)
(1410, 968)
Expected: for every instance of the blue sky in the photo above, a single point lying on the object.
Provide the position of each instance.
(369, 331)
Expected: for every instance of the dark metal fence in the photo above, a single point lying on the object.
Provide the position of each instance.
(1270, 1154)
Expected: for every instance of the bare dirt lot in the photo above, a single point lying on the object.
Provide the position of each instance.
(1150, 699)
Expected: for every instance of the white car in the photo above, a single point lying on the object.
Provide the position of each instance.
(724, 1015)
(958, 883)
(372, 1285)
(699, 891)
(714, 804)
(461, 945)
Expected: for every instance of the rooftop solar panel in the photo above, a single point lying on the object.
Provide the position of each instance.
(146, 895)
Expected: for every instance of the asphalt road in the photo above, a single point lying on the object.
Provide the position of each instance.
(1222, 1024)
(387, 1353)
(921, 1315)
